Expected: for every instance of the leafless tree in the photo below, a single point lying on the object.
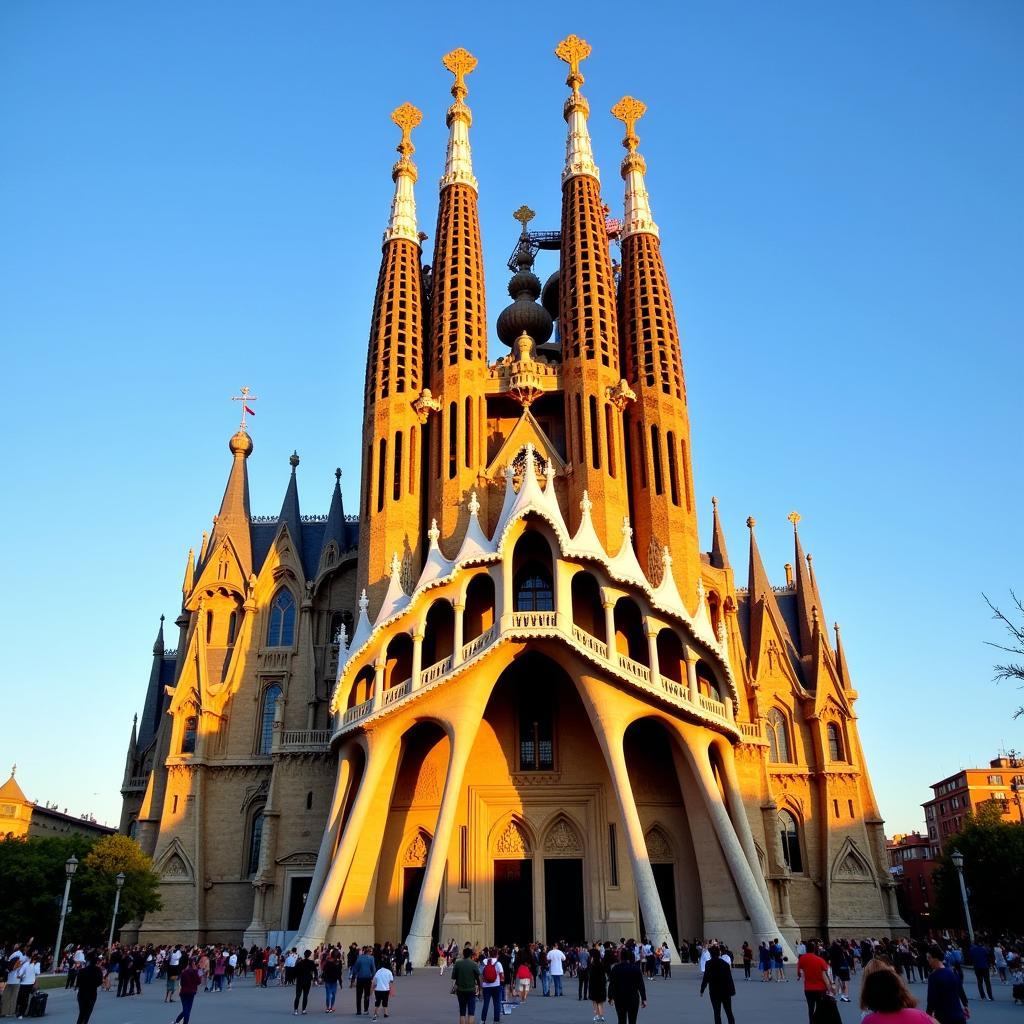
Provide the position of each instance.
(1015, 645)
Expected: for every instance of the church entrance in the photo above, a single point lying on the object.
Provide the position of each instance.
(563, 900)
(665, 880)
(412, 882)
(513, 902)
(298, 890)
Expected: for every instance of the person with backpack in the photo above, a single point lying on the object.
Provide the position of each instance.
(466, 977)
(492, 978)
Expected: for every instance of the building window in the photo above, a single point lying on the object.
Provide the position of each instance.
(232, 628)
(790, 841)
(995, 780)
(282, 620)
(536, 734)
(835, 743)
(533, 593)
(613, 854)
(309, 800)
(188, 736)
(778, 738)
(270, 696)
(255, 841)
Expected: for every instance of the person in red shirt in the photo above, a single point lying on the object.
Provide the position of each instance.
(817, 981)
(191, 979)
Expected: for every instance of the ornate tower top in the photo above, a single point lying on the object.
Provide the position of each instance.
(579, 154)
(402, 223)
(459, 162)
(638, 219)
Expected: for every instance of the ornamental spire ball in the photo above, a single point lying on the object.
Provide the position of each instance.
(525, 315)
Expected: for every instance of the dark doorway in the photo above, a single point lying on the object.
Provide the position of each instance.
(298, 890)
(412, 882)
(665, 880)
(563, 900)
(513, 902)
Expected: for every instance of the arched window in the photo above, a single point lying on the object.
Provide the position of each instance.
(255, 841)
(188, 736)
(835, 743)
(778, 737)
(282, 620)
(533, 593)
(790, 833)
(531, 559)
(232, 628)
(536, 731)
(270, 696)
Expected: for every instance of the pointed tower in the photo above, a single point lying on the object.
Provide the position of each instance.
(335, 529)
(232, 522)
(719, 555)
(390, 478)
(153, 708)
(658, 425)
(290, 515)
(457, 364)
(591, 375)
(805, 598)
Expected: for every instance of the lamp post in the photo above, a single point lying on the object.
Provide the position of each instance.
(70, 867)
(117, 903)
(958, 862)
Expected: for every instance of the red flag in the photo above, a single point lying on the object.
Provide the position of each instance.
(251, 412)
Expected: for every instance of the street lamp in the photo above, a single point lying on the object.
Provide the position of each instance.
(958, 862)
(117, 903)
(70, 867)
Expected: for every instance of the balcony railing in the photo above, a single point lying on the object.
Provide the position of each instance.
(304, 740)
(135, 784)
(435, 671)
(751, 730)
(396, 693)
(534, 620)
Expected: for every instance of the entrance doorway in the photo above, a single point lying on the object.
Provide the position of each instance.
(412, 882)
(665, 880)
(298, 890)
(513, 902)
(563, 900)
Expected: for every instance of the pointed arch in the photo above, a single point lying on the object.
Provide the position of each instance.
(281, 628)
(415, 848)
(174, 865)
(778, 734)
(850, 864)
(562, 837)
(512, 837)
(659, 845)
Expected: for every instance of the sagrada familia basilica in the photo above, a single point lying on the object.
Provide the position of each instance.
(512, 698)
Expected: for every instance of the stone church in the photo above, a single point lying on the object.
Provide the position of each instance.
(511, 698)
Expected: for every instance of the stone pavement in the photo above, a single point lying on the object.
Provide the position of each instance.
(425, 998)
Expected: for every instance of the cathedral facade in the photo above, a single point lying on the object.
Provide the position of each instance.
(511, 698)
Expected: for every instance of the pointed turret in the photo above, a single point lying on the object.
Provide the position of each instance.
(719, 555)
(188, 579)
(290, 515)
(390, 477)
(335, 529)
(758, 584)
(591, 375)
(457, 363)
(154, 703)
(657, 422)
(805, 604)
(844, 670)
(232, 521)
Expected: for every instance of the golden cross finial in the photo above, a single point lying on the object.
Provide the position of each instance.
(794, 518)
(573, 51)
(629, 110)
(524, 215)
(245, 398)
(406, 117)
(459, 62)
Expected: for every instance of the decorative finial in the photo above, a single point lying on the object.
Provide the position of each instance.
(14, 769)
(751, 522)
(573, 51)
(627, 530)
(666, 557)
(396, 565)
(700, 591)
(586, 505)
(402, 223)
(337, 474)
(794, 518)
(342, 636)
(161, 620)
(245, 398)
(835, 626)
(364, 602)
(293, 460)
(524, 215)
(406, 117)
(459, 62)
(433, 533)
(474, 505)
(810, 559)
(714, 504)
(629, 110)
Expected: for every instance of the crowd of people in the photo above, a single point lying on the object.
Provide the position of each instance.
(609, 975)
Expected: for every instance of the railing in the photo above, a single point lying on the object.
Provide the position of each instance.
(135, 784)
(304, 739)
(435, 671)
(393, 693)
(678, 690)
(751, 729)
(356, 713)
(534, 620)
(635, 669)
(581, 636)
(478, 643)
(716, 707)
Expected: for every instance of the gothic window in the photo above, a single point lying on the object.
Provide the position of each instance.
(188, 736)
(778, 737)
(533, 592)
(790, 834)
(232, 628)
(282, 620)
(255, 841)
(835, 743)
(270, 696)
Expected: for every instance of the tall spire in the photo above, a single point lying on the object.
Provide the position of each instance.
(453, 433)
(719, 556)
(158, 644)
(402, 223)
(153, 707)
(335, 529)
(758, 584)
(579, 154)
(638, 216)
(804, 593)
(844, 669)
(188, 579)
(233, 519)
(458, 165)
(290, 506)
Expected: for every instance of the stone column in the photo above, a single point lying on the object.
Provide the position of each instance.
(739, 816)
(609, 627)
(690, 657)
(378, 682)
(652, 655)
(417, 659)
(459, 607)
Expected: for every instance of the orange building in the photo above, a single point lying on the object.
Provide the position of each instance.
(512, 699)
(912, 864)
(961, 794)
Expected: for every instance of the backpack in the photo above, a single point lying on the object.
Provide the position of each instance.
(490, 974)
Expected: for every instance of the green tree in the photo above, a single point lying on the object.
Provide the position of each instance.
(110, 856)
(993, 852)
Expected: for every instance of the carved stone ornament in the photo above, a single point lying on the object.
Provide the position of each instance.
(415, 855)
(512, 840)
(427, 788)
(562, 839)
(655, 561)
(175, 867)
(425, 405)
(621, 395)
(658, 848)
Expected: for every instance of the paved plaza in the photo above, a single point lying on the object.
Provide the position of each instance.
(425, 997)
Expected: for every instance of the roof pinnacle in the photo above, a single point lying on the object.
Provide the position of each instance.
(402, 223)
(638, 218)
(459, 161)
(579, 154)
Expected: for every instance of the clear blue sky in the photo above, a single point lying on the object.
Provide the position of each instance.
(192, 197)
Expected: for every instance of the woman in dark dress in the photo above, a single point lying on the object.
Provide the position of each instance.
(90, 977)
(597, 982)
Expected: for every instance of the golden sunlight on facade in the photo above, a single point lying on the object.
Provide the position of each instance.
(511, 699)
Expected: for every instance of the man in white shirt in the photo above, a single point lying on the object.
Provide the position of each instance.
(9, 1000)
(289, 966)
(492, 977)
(382, 982)
(28, 973)
(232, 964)
(556, 958)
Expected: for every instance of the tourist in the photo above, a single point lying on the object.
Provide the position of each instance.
(626, 991)
(582, 977)
(331, 975)
(305, 975)
(466, 985)
(524, 980)
(556, 967)
(764, 961)
(721, 988)
(981, 961)
(90, 977)
(748, 960)
(170, 980)
(839, 964)
(492, 980)
(597, 983)
(350, 961)
(814, 972)
(779, 961)
(9, 998)
(190, 980)
(665, 958)
(886, 999)
(947, 1001)
(383, 985)
(364, 970)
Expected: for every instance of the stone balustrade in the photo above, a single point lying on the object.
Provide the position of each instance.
(295, 741)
